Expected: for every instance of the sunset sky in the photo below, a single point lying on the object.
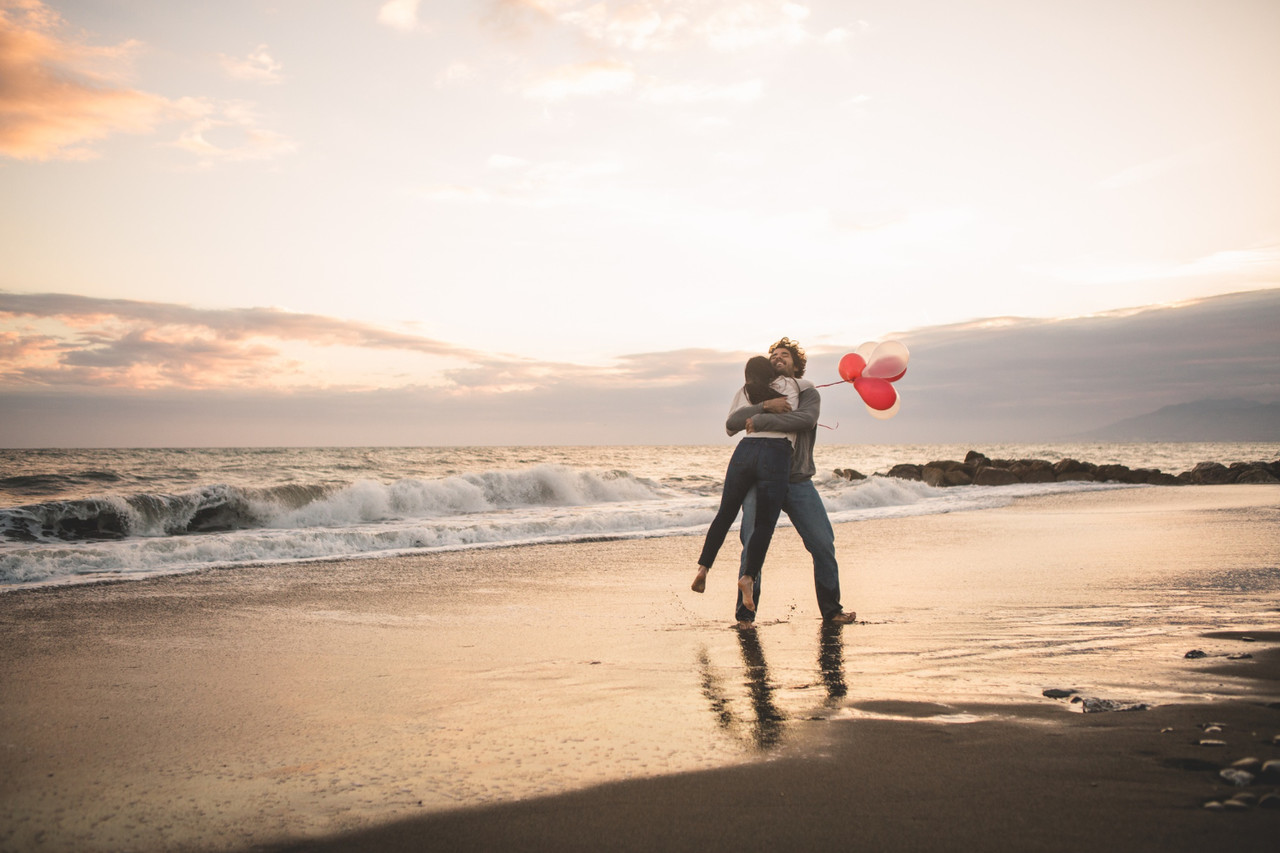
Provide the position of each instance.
(410, 219)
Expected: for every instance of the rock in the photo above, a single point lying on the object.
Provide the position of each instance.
(849, 474)
(905, 471)
(932, 476)
(958, 477)
(1245, 797)
(976, 459)
(1033, 471)
(1270, 770)
(1249, 764)
(1269, 801)
(1256, 476)
(991, 476)
(1239, 778)
(1210, 742)
(1209, 474)
(1240, 656)
(1115, 473)
(1213, 727)
(1195, 653)
(1235, 805)
(1214, 806)
(1067, 466)
(1058, 693)
(1076, 476)
(1094, 705)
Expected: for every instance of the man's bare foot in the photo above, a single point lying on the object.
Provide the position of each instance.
(700, 582)
(745, 625)
(747, 586)
(847, 618)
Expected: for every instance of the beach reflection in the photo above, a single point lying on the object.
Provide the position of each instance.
(831, 661)
(764, 727)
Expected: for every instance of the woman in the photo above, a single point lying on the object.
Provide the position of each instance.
(762, 460)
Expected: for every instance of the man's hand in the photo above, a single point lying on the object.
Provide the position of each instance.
(776, 406)
(750, 426)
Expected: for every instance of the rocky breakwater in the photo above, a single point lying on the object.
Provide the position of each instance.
(978, 470)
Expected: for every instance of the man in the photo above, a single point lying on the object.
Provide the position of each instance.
(803, 504)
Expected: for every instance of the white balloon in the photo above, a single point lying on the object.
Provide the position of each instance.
(887, 361)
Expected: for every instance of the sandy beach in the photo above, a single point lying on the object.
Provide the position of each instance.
(581, 697)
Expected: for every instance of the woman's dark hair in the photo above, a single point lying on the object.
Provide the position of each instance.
(760, 373)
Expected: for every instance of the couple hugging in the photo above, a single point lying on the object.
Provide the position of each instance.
(771, 472)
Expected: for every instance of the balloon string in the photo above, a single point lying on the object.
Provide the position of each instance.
(824, 426)
(829, 384)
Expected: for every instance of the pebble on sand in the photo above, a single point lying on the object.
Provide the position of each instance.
(1094, 705)
(1239, 778)
(1211, 742)
(1195, 653)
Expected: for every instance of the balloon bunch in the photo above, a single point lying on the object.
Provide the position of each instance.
(872, 368)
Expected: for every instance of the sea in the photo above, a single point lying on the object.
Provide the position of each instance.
(91, 515)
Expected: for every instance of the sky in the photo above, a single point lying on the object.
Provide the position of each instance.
(552, 221)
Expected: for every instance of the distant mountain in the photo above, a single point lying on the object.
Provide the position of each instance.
(1203, 420)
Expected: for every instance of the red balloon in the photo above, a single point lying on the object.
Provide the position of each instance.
(851, 366)
(876, 393)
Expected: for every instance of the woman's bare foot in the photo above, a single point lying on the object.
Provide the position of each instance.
(747, 586)
(745, 625)
(846, 618)
(700, 581)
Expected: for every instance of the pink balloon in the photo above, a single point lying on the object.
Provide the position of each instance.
(851, 366)
(876, 393)
(888, 361)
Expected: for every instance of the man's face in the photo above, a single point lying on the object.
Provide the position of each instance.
(781, 361)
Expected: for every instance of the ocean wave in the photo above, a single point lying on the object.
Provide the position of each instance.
(220, 508)
(146, 535)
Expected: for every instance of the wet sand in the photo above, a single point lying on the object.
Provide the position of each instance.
(580, 697)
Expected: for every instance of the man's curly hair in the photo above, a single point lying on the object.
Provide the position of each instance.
(797, 354)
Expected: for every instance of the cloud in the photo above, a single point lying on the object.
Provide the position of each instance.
(80, 340)
(604, 77)
(693, 93)
(228, 131)
(519, 182)
(58, 95)
(1014, 379)
(1149, 171)
(400, 15)
(257, 67)
(81, 371)
(1253, 264)
(664, 25)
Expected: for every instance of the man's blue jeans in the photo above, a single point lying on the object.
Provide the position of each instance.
(803, 505)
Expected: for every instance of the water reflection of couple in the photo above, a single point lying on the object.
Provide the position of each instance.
(771, 471)
(768, 720)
